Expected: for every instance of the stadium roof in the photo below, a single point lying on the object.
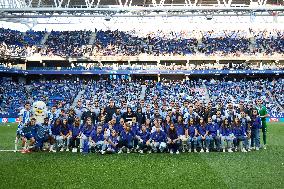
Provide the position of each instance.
(29, 12)
(79, 3)
(141, 3)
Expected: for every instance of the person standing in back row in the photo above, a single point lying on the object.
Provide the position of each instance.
(110, 110)
(263, 115)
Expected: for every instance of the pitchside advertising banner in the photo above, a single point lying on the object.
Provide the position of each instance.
(16, 120)
(9, 120)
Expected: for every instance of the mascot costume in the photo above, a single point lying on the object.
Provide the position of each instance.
(39, 111)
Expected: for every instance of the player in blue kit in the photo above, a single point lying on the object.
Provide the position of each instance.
(203, 139)
(158, 140)
(143, 136)
(96, 141)
(192, 136)
(75, 135)
(28, 133)
(52, 115)
(24, 116)
(227, 135)
(43, 134)
(213, 133)
(126, 139)
(255, 127)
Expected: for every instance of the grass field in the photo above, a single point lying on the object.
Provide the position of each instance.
(257, 169)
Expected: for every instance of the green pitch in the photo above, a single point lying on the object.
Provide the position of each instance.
(261, 169)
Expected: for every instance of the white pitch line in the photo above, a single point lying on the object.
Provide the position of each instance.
(9, 150)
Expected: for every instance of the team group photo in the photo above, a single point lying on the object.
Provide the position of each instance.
(141, 94)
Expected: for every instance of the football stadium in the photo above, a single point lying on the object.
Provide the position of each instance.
(141, 94)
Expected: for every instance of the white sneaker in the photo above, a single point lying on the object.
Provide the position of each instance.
(183, 150)
(103, 152)
(207, 150)
(230, 150)
(141, 151)
(67, 149)
(128, 151)
(62, 149)
(119, 152)
(244, 150)
(248, 149)
(81, 150)
(194, 151)
(171, 152)
(74, 150)
(264, 147)
(177, 152)
(201, 150)
(224, 150)
(257, 148)
(150, 151)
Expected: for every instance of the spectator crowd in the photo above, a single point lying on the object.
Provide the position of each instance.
(132, 43)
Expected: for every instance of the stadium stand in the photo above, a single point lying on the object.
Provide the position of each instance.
(74, 43)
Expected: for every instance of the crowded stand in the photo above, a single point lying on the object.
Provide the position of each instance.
(67, 43)
(117, 116)
(244, 91)
(13, 95)
(132, 43)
